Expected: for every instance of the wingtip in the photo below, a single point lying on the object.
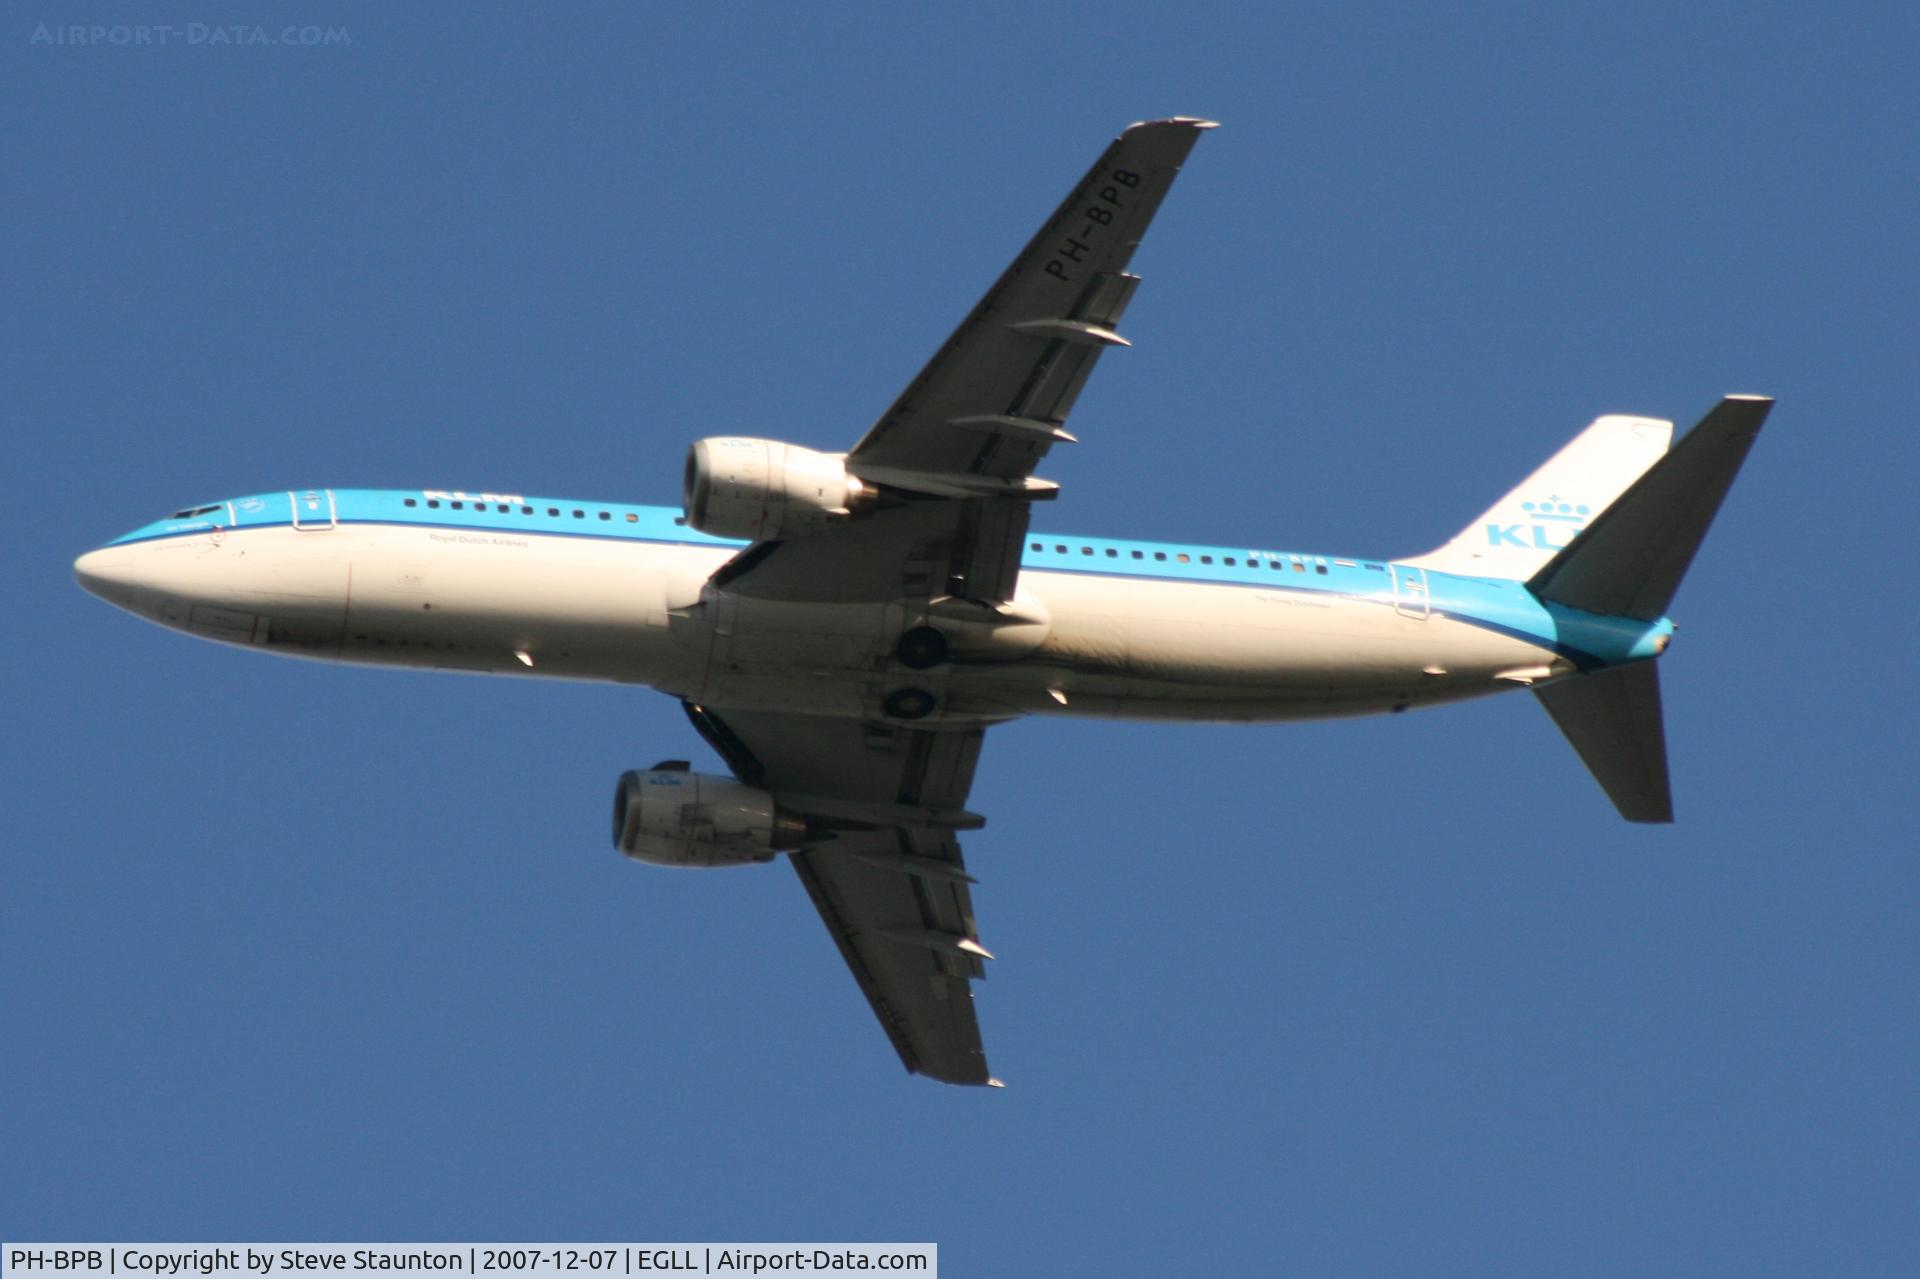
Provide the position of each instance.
(1190, 121)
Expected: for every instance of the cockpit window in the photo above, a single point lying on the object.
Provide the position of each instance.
(192, 511)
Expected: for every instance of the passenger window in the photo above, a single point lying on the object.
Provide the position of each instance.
(1086, 550)
(1139, 555)
(411, 502)
(433, 503)
(1160, 555)
(1059, 550)
(632, 518)
(458, 506)
(579, 515)
(1275, 565)
(1228, 561)
(1206, 559)
(1112, 554)
(1038, 546)
(1184, 558)
(606, 515)
(1298, 567)
(553, 510)
(505, 509)
(1320, 568)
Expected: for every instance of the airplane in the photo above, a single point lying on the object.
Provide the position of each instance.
(844, 628)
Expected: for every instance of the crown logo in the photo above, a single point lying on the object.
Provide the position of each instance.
(1556, 509)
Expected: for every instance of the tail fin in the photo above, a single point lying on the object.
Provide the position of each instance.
(1525, 529)
(1629, 561)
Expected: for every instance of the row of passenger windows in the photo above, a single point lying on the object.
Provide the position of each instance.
(1181, 557)
(504, 508)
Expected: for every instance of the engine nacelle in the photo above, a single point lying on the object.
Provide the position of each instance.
(763, 489)
(671, 817)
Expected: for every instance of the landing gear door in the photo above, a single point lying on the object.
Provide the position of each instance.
(313, 510)
(1410, 592)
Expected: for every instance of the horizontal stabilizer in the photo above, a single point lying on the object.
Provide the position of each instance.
(1613, 720)
(1629, 561)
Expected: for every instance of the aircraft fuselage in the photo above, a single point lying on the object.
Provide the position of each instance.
(532, 586)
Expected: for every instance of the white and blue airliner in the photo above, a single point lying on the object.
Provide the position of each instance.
(844, 628)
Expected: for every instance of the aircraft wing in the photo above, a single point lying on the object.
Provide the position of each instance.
(891, 886)
(956, 452)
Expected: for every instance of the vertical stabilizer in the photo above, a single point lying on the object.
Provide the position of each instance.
(1517, 535)
(1613, 720)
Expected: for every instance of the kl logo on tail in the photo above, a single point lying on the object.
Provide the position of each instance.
(1553, 525)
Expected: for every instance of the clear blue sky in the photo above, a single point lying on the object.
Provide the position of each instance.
(294, 951)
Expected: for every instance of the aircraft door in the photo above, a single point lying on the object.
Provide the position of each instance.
(313, 510)
(1410, 592)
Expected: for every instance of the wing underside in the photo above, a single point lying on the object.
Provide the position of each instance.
(889, 881)
(955, 453)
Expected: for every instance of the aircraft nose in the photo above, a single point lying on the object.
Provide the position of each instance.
(109, 573)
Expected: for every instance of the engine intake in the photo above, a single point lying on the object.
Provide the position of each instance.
(763, 489)
(671, 817)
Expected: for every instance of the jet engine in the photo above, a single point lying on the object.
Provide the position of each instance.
(763, 489)
(672, 817)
